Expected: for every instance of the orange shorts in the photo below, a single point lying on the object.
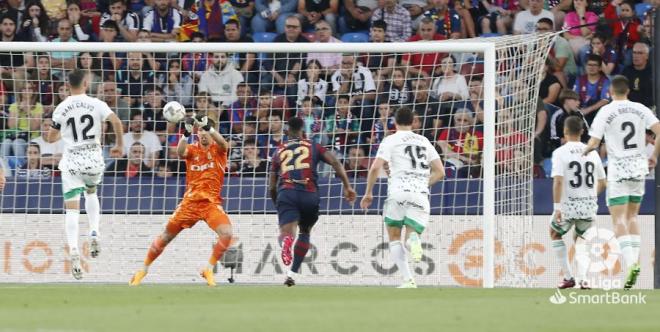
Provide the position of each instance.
(188, 213)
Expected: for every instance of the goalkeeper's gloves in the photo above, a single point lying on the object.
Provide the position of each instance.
(188, 125)
(204, 124)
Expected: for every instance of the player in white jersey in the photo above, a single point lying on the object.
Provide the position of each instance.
(577, 182)
(623, 123)
(414, 166)
(79, 120)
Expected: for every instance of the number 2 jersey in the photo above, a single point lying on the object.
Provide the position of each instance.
(623, 124)
(295, 162)
(579, 198)
(80, 121)
(409, 156)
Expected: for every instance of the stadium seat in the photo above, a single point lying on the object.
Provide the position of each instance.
(641, 9)
(355, 37)
(490, 34)
(263, 37)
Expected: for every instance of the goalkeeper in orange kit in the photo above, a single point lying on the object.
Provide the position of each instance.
(206, 161)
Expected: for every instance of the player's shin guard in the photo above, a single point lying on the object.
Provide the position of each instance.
(626, 250)
(71, 227)
(219, 249)
(635, 243)
(93, 209)
(582, 259)
(299, 251)
(399, 257)
(155, 250)
(559, 247)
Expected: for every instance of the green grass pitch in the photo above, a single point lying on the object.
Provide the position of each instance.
(85, 307)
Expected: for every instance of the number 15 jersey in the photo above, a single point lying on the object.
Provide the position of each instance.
(409, 156)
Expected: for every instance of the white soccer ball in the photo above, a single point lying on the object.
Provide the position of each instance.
(174, 112)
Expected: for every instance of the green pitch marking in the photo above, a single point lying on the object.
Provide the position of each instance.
(82, 307)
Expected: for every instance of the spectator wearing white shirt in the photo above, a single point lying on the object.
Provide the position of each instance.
(220, 80)
(127, 22)
(51, 152)
(149, 139)
(329, 62)
(451, 85)
(312, 85)
(525, 21)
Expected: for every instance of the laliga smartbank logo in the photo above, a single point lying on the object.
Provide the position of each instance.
(612, 295)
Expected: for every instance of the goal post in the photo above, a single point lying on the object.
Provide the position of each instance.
(512, 69)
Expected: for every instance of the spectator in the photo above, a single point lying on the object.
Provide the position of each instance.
(380, 64)
(36, 24)
(32, 169)
(134, 81)
(342, 128)
(110, 61)
(447, 20)
(63, 60)
(640, 76)
(462, 145)
(152, 111)
(424, 64)
(220, 80)
(23, 123)
(561, 54)
(329, 61)
(212, 17)
(205, 106)
(397, 18)
(428, 109)
(476, 102)
(245, 62)
(245, 11)
(109, 93)
(525, 21)
(51, 152)
(134, 165)
(245, 106)
(92, 66)
(127, 22)
(314, 11)
(354, 163)
(382, 127)
(416, 8)
(357, 15)
(354, 80)
(240, 133)
(313, 119)
(56, 9)
(163, 21)
(500, 17)
(569, 101)
(61, 91)
(253, 165)
(275, 136)
(286, 66)
(397, 89)
(593, 88)
(44, 79)
(148, 140)
(599, 45)
(177, 85)
(11, 62)
(272, 14)
(150, 58)
(195, 63)
(550, 86)
(511, 144)
(312, 84)
(579, 37)
(451, 85)
(625, 28)
(83, 28)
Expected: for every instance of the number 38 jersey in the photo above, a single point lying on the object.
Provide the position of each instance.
(295, 162)
(623, 124)
(79, 119)
(579, 196)
(409, 156)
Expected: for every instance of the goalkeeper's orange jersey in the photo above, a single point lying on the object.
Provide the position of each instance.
(205, 172)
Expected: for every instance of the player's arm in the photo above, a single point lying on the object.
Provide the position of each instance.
(437, 171)
(593, 145)
(182, 147)
(53, 132)
(117, 151)
(656, 151)
(557, 183)
(272, 186)
(349, 193)
(204, 124)
(371, 180)
(602, 184)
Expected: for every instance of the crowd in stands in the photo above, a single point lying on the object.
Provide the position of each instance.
(346, 100)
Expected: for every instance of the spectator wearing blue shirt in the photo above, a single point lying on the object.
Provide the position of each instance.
(592, 88)
(447, 20)
(272, 14)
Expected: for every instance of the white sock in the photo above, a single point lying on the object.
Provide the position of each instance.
(71, 228)
(559, 247)
(399, 257)
(93, 209)
(635, 242)
(582, 259)
(626, 250)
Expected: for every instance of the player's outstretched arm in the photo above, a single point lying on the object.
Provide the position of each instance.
(204, 124)
(371, 180)
(117, 151)
(349, 193)
(272, 186)
(53, 133)
(437, 171)
(593, 144)
(557, 183)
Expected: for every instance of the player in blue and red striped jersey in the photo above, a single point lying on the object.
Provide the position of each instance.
(294, 191)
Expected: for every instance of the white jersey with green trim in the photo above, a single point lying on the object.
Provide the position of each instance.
(409, 156)
(622, 123)
(579, 197)
(80, 119)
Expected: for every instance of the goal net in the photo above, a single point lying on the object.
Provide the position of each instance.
(475, 99)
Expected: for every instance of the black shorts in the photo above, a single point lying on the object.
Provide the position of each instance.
(300, 206)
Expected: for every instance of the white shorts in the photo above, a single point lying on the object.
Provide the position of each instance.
(412, 209)
(625, 191)
(75, 184)
(563, 226)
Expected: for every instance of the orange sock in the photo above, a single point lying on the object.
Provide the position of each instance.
(219, 249)
(155, 250)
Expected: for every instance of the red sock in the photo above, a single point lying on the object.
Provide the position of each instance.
(219, 249)
(155, 250)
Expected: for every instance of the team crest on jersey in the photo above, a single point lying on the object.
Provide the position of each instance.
(208, 155)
